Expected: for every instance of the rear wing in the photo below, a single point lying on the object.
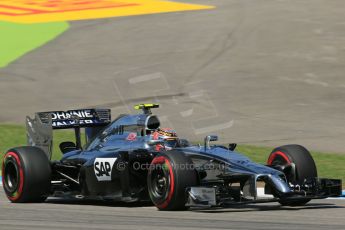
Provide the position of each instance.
(40, 128)
(76, 118)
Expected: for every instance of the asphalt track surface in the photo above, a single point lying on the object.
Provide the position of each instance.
(64, 214)
(265, 72)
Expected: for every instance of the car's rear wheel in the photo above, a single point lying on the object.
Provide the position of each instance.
(26, 175)
(169, 175)
(304, 166)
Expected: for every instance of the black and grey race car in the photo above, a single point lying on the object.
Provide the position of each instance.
(120, 163)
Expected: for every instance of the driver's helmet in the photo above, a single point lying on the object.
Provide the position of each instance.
(168, 135)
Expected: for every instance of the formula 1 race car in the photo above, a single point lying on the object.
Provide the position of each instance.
(120, 162)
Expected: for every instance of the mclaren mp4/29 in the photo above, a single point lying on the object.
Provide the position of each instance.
(120, 162)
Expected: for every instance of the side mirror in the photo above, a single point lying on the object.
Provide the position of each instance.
(232, 146)
(184, 143)
(208, 139)
(67, 146)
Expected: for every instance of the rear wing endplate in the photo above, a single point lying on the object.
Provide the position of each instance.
(40, 134)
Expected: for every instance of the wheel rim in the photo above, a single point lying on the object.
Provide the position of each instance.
(160, 181)
(281, 159)
(11, 176)
(278, 158)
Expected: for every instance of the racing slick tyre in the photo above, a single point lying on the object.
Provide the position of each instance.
(169, 175)
(304, 166)
(26, 175)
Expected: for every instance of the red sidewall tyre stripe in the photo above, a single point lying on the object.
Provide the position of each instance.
(2, 170)
(19, 191)
(163, 160)
(278, 153)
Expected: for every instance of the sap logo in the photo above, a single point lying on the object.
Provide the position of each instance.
(103, 168)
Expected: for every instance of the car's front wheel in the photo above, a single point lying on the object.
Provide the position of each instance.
(303, 166)
(170, 174)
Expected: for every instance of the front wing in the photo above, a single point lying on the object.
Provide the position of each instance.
(316, 188)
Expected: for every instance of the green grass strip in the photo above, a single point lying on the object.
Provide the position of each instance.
(15, 135)
(18, 39)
